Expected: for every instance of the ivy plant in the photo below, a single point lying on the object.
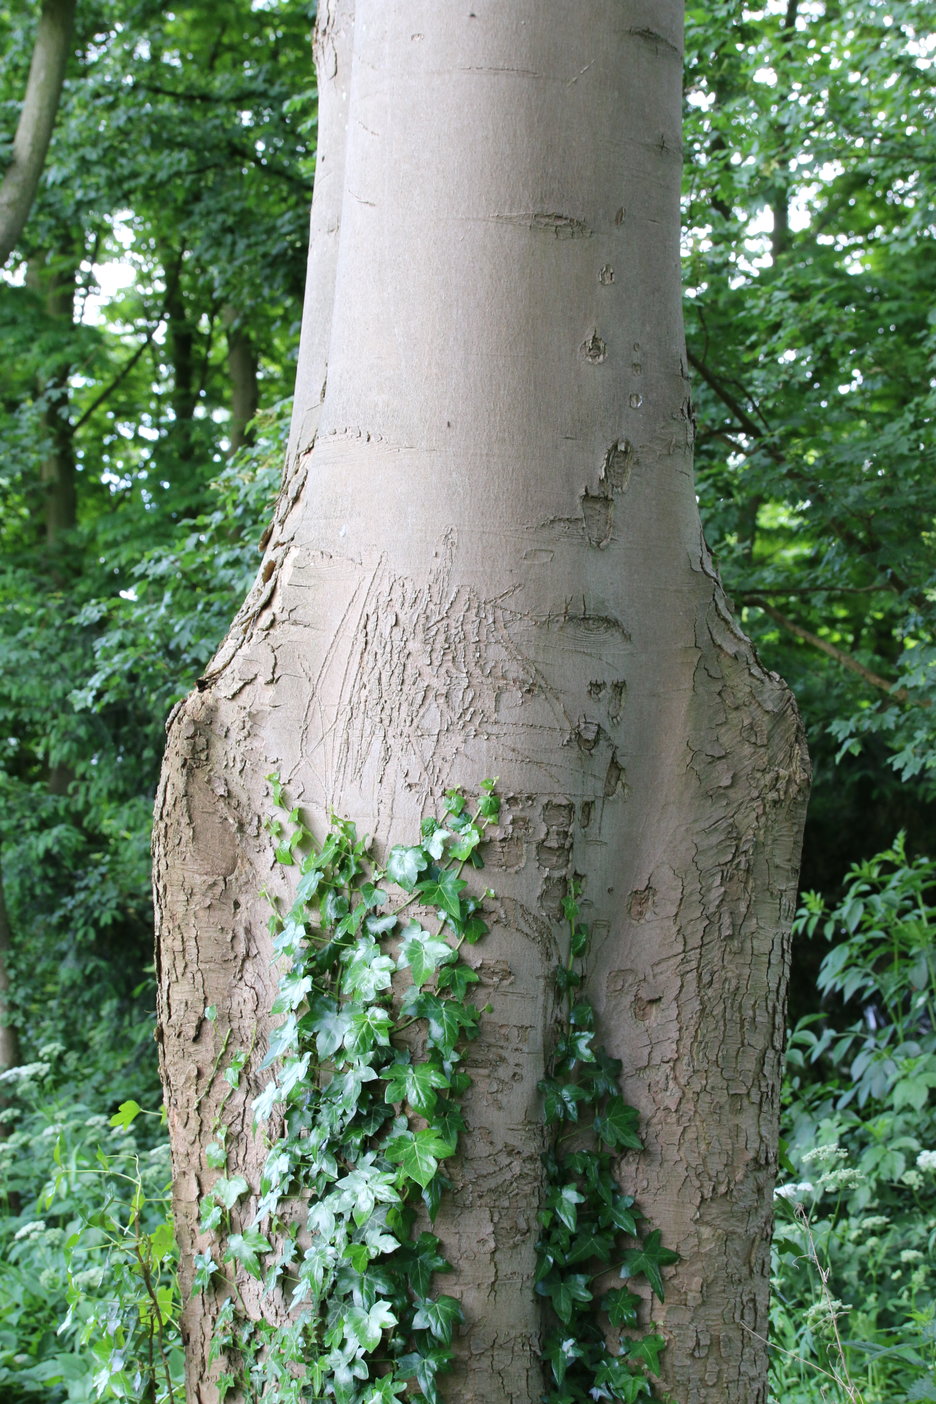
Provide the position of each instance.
(586, 1218)
(364, 1089)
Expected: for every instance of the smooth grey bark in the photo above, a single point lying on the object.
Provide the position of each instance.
(50, 56)
(487, 561)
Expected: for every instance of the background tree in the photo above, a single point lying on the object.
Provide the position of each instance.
(50, 55)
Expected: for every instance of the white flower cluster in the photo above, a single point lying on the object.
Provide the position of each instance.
(27, 1230)
(926, 1160)
(24, 1072)
(793, 1191)
(821, 1154)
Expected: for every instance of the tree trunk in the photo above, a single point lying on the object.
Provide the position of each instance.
(242, 368)
(37, 118)
(9, 1034)
(53, 276)
(487, 561)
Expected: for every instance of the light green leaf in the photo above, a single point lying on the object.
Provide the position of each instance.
(244, 1248)
(418, 1154)
(126, 1114)
(228, 1192)
(404, 866)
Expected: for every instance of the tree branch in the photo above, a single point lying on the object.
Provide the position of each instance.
(899, 694)
(124, 371)
(50, 56)
(892, 578)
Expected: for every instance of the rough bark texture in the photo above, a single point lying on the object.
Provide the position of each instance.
(487, 561)
(37, 118)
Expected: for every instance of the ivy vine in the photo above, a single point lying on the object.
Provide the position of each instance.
(586, 1215)
(364, 1093)
(365, 1079)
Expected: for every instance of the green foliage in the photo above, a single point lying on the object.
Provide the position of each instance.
(366, 1083)
(809, 258)
(171, 220)
(366, 1088)
(586, 1215)
(856, 1243)
(88, 1291)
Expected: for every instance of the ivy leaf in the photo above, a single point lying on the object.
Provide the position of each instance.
(616, 1380)
(293, 989)
(620, 1213)
(330, 1028)
(567, 979)
(418, 1154)
(286, 1036)
(465, 842)
(264, 1103)
(575, 1047)
(367, 970)
(379, 925)
(446, 1018)
(416, 1084)
(617, 1124)
(621, 1305)
(294, 1074)
(205, 1269)
(457, 978)
(215, 1155)
(564, 1292)
(211, 1216)
(365, 1328)
(358, 1255)
(423, 1366)
(243, 1248)
(439, 1317)
(590, 1243)
(422, 952)
(648, 1259)
(434, 841)
(384, 1391)
(473, 929)
(370, 1028)
(561, 1099)
(579, 940)
(372, 895)
(228, 1192)
(308, 885)
(405, 864)
(423, 1260)
(564, 1201)
(647, 1350)
(443, 891)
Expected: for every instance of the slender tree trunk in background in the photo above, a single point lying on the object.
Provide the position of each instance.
(9, 1037)
(53, 277)
(242, 368)
(180, 336)
(10, 1051)
(34, 130)
(487, 561)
